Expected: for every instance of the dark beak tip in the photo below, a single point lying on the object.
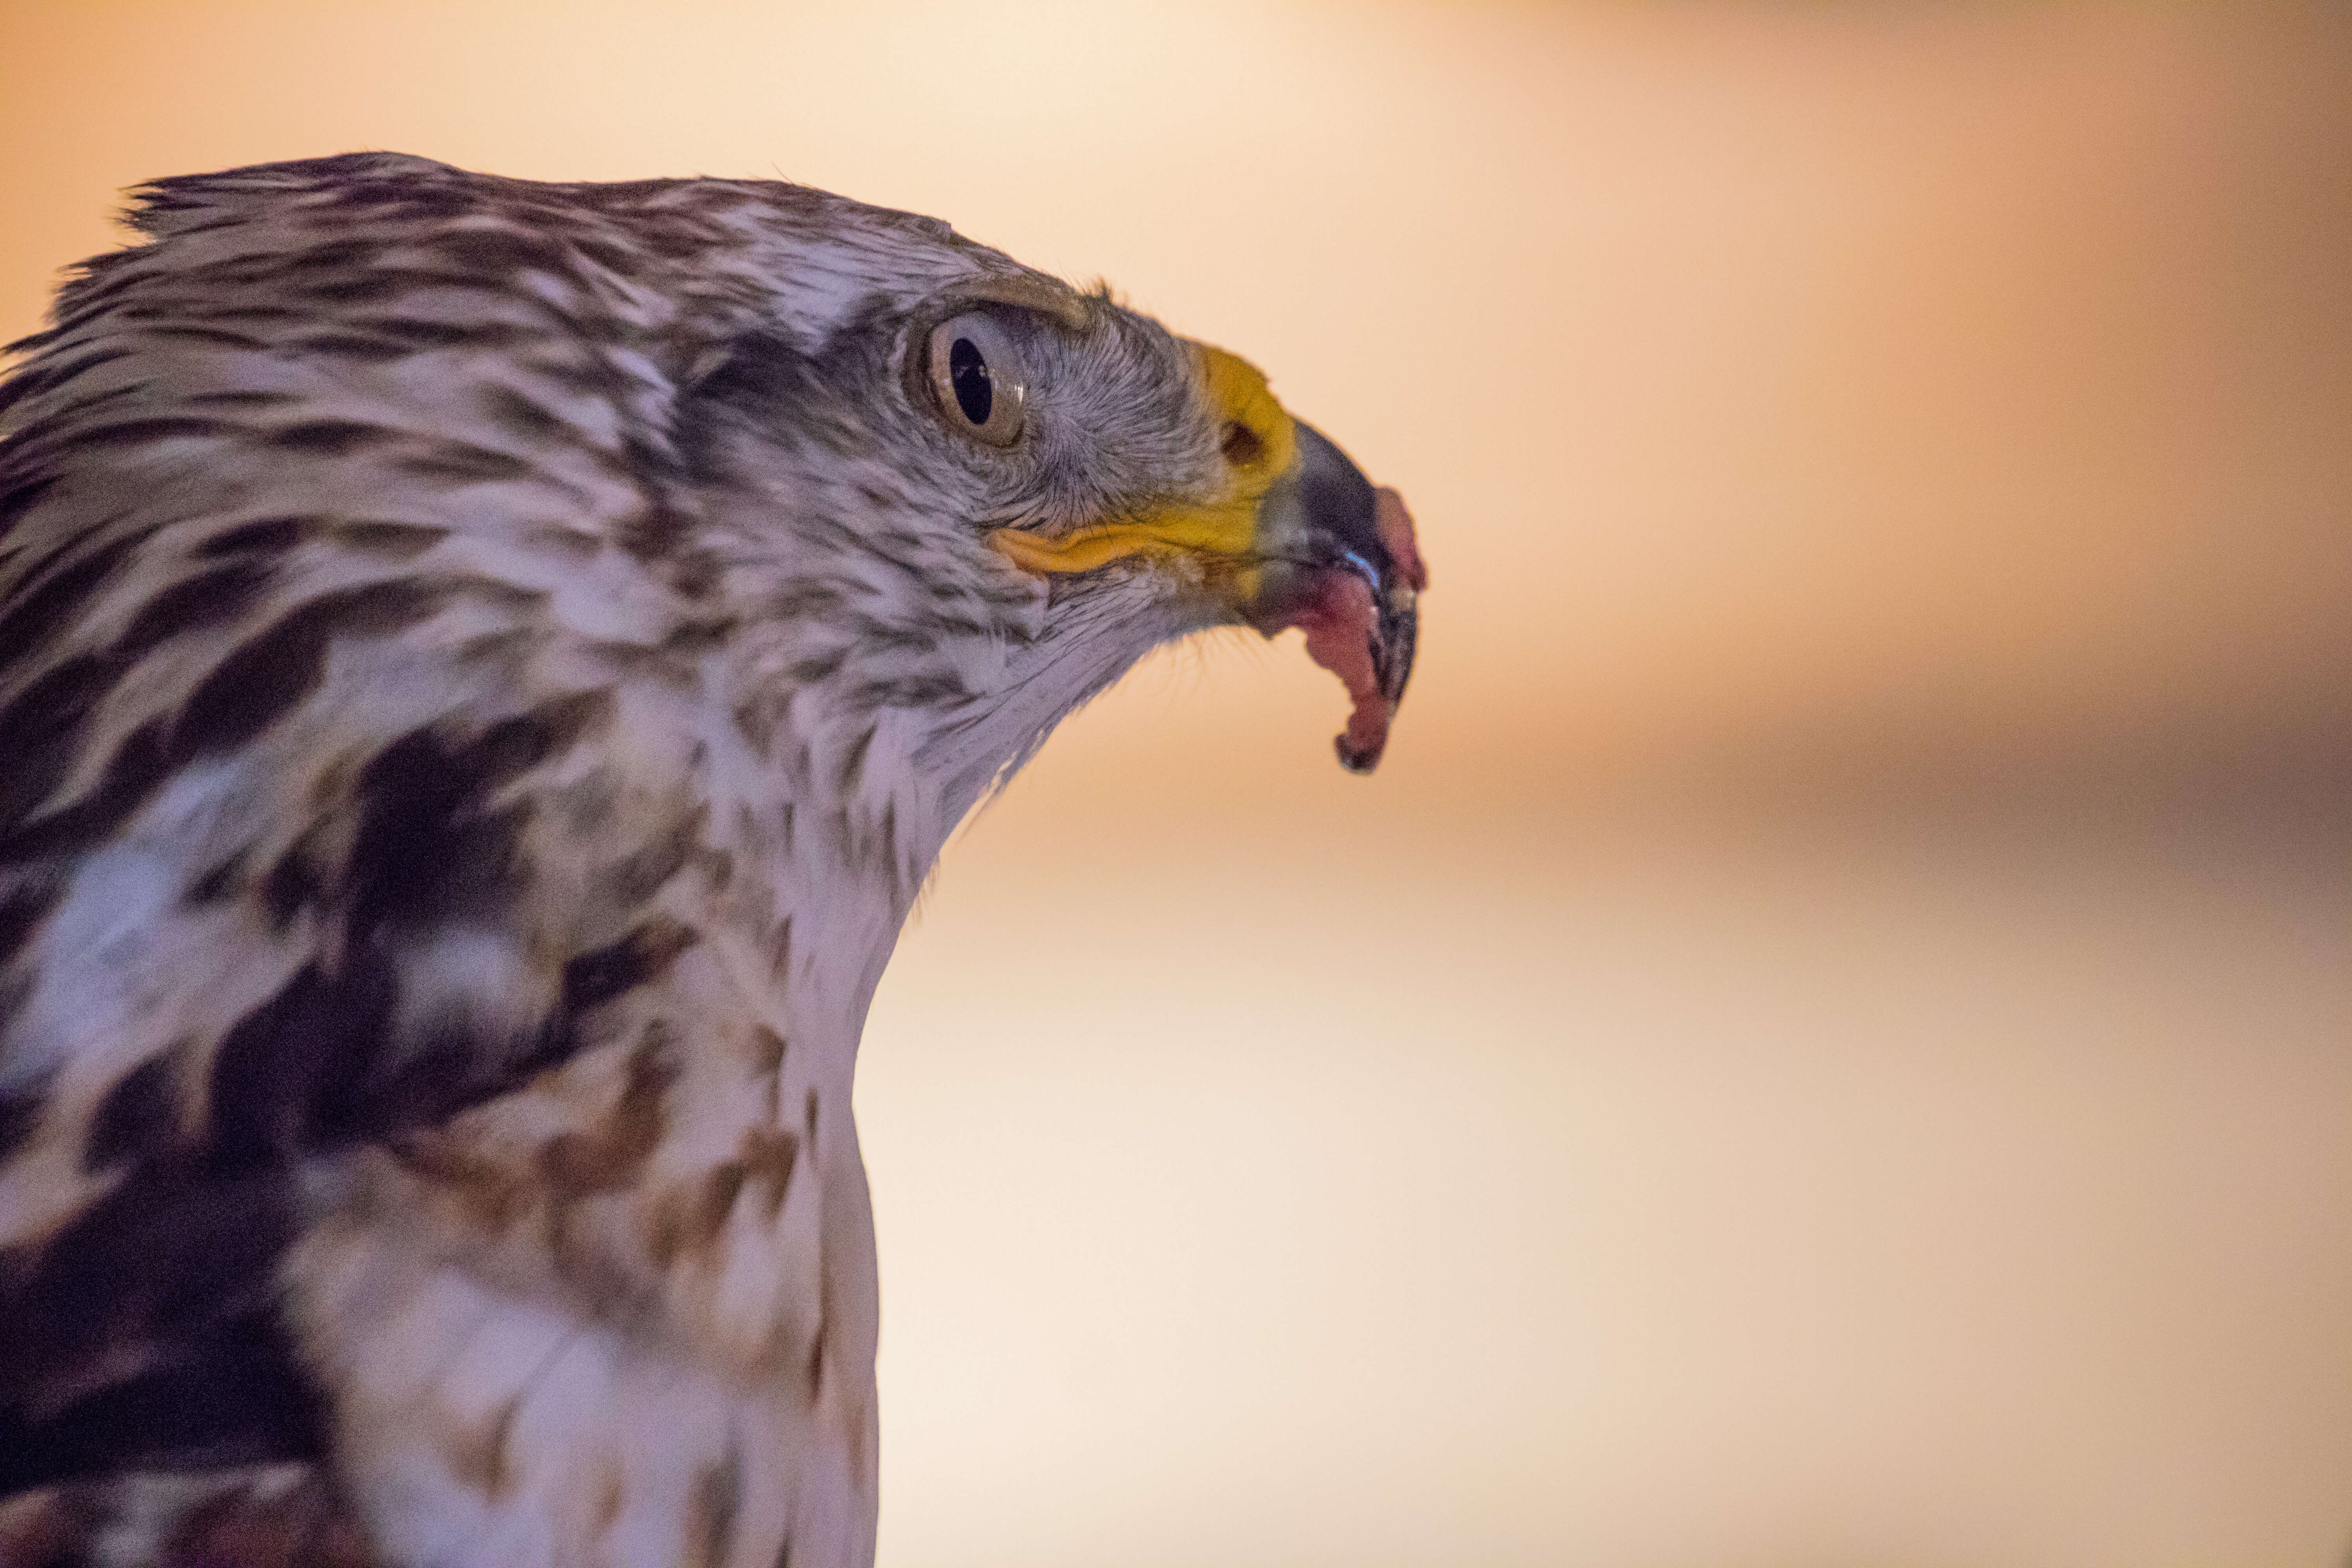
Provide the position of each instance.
(1351, 531)
(1400, 635)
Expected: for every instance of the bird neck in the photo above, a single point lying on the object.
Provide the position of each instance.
(840, 762)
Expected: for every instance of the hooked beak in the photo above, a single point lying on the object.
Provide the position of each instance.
(1302, 538)
(1341, 563)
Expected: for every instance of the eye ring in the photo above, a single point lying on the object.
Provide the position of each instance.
(980, 379)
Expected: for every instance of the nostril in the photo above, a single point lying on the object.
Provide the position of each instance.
(1241, 444)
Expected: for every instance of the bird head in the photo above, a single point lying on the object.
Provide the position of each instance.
(1023, 487)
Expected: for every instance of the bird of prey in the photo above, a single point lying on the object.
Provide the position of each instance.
(485, 668)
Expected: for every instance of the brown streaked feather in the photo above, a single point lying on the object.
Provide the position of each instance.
(277, 1516)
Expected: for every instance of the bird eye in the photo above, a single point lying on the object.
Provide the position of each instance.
(982, 386)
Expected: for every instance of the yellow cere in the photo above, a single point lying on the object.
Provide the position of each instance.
(1262, 442)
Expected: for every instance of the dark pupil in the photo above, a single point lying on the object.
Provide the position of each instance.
(967, 374)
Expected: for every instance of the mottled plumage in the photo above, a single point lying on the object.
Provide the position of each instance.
(485, 668)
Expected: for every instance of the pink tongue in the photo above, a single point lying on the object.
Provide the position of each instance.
(1339, 621)
(1338, 625)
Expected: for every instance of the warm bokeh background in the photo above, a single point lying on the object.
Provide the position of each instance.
(1830, 1041)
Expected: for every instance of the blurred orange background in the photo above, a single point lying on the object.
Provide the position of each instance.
(1829, 1041)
